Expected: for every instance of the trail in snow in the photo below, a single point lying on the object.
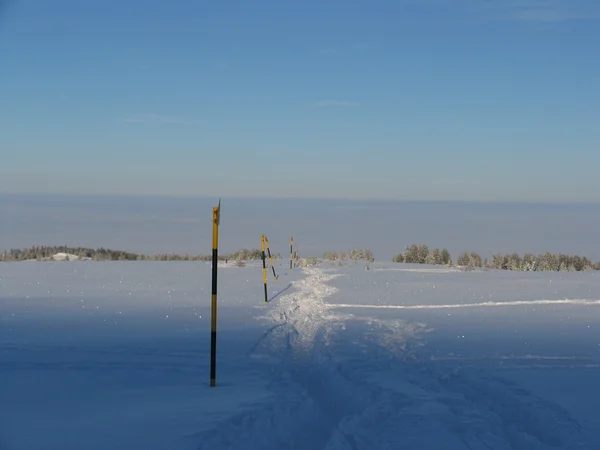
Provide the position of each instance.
(341, 381)
(419, 270)
(584, 302)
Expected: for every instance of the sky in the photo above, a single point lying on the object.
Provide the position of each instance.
(408, 99)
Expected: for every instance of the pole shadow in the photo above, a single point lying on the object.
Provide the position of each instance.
(280, 292)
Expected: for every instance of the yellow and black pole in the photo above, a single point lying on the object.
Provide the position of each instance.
(213, 319)
(262, 247)
(291, 252)
(270, 257)
(296, 257)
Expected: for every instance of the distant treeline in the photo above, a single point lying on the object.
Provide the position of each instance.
(355, 255)
(43, 253)
(413, 254)
(420, 254)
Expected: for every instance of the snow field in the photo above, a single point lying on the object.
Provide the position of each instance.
(115, 355)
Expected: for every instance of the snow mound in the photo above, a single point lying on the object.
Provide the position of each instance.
(68, 257)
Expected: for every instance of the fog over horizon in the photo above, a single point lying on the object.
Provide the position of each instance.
(183, 225)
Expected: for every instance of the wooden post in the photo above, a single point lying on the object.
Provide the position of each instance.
(213, 318)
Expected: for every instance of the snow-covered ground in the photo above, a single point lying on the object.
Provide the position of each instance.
(101, 355)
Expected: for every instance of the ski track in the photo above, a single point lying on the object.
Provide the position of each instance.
(473, 305)
(373, 392)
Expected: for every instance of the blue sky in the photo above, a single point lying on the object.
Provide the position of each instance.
(429, 99)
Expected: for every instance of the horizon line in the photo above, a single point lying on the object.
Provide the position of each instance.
(267, 197)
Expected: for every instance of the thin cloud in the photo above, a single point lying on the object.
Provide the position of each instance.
(545, 11)
(350, 49)
(524, 11)
(548, 15)
(366, 47)
(323, 103)
(153, 119)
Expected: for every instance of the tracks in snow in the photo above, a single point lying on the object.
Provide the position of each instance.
(345, 382)
(582, 302)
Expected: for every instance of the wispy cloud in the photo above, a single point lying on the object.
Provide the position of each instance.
(349, 49)
(328, 51)
(367, 47)
(548, 15)
(323, 103)
(153, 119)
(543, 11)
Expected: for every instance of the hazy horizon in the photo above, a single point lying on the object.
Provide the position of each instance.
(183, 225)
(216, 198)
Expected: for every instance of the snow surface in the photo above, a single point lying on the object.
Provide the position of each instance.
(115, 355)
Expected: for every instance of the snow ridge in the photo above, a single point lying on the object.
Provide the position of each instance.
(575, 301)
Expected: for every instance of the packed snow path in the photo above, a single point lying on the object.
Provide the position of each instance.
(341, 381)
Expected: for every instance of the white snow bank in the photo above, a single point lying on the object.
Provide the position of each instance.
(68, 257)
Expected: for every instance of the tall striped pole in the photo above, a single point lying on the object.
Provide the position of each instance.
(291, 252)
(213, 318)
(262, 247)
